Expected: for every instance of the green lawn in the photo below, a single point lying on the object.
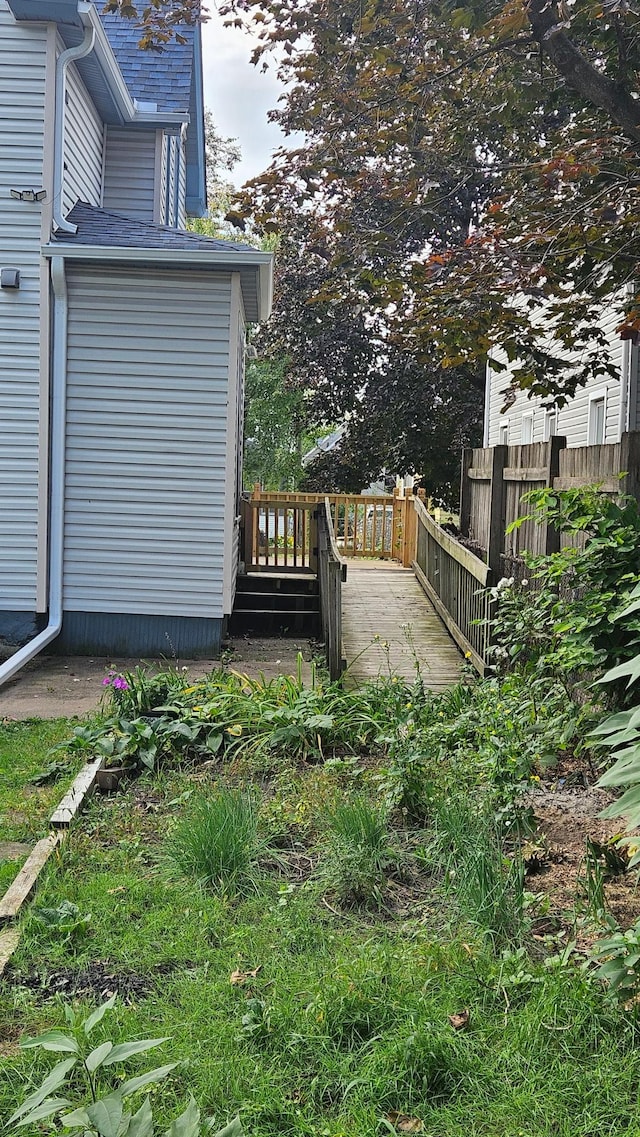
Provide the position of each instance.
(24, 753)
(346, 1025)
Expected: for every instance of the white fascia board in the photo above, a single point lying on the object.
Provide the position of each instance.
(107, 60)
(233, 261)
(218, 258)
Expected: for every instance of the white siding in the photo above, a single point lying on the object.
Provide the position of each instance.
(572, 419)
(83, 142)
(22, 98)
(146, 441)
(129, 173)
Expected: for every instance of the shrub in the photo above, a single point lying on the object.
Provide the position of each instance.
(564, 623)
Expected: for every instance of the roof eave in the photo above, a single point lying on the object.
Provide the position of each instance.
(195, 258)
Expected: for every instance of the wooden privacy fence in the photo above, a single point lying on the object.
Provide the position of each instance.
(332, 571)
(455, 580)
(278, 532)
(495, 479)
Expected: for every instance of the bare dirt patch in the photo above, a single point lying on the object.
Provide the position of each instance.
(567, 808)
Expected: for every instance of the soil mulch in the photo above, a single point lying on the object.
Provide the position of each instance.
(99, 980)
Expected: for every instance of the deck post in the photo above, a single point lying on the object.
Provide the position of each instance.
(397, 527)
(313, 540)
(497, 510)
(410, 532)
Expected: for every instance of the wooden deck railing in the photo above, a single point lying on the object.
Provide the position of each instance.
(332, 571)
(364, 525)
(454, 580)
(279, 533)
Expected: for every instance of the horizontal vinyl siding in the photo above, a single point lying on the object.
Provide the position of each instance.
(129, 173)
(22, 97)
(146, 424)
(83, 146)
(572, 419)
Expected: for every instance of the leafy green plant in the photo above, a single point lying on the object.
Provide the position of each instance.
(133, 694)
(563, 621)
(133, 745)
(358, 855)
(620, 733)
(64, 921)
(79, 1092)
(621, 967)
(218, 842)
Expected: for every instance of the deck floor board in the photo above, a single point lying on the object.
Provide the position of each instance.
(389, 627)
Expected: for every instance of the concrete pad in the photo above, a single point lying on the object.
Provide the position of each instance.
(53, 686)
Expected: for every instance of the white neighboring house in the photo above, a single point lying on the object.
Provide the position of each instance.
(600, 412)
(122, 342)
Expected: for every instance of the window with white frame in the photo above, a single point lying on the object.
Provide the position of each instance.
(503, 432)
(597, 423)
(527, 427)
(550, 424)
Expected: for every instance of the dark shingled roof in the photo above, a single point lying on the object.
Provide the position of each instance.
(98, 227)
(161, 77)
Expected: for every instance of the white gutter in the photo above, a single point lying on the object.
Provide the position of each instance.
(62, 63)
(58, 426)
(231, 260)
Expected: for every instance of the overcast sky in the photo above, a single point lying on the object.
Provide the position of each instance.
(240, 95)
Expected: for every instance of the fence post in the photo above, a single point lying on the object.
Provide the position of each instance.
(497, 510)
(630, 464)
(465, 491)
(555, 444)
(410, 533)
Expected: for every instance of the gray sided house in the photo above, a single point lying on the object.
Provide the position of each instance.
(122, 343)
(600, 412)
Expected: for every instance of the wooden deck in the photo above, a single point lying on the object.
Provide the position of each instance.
(389, 627)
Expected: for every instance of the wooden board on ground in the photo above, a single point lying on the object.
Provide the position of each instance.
(75, 797)
(9, 940)
(390, 627)
(22, 886)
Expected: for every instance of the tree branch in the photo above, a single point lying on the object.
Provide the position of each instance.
(579, 73)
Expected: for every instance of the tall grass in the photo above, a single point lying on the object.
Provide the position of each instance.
(486, 884)
(218, 842)
(358, 854)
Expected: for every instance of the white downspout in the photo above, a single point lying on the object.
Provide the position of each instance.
(58, 428)
(63, 61)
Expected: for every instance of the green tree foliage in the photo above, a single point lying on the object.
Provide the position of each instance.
(274, 427)
(221, 155)
(457, 158)
(401, 413)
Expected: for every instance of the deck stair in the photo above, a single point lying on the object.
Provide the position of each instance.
(276, 604)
